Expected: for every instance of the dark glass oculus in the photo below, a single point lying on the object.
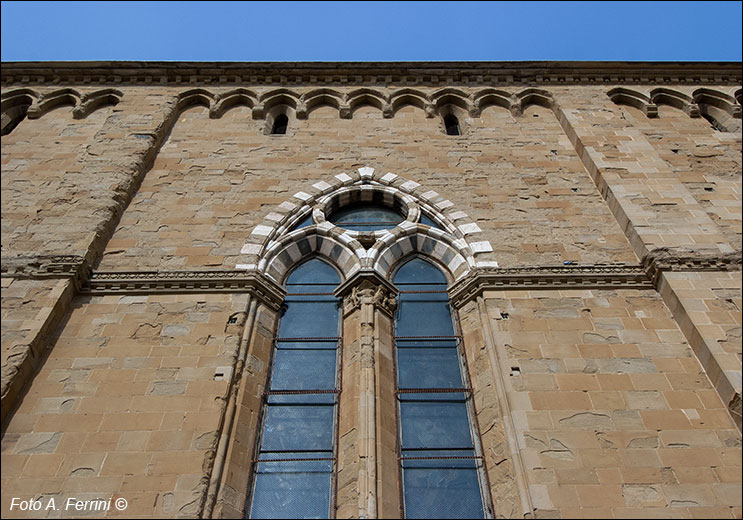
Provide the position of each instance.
(366, 216)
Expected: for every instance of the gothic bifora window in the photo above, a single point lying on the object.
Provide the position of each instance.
(441, 472)
(294, 468)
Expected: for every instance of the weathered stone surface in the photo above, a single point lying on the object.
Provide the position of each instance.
(590, 400)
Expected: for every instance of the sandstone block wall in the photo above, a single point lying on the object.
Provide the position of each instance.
(594, 396)
(614, 414)
(214, 179)
(126, 402)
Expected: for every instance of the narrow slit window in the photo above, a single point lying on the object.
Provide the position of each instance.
(452, 125)
(441, 470)
(294, 470)
(280, 124)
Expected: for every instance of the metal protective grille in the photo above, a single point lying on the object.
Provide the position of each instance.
(440, 469)
(294, 467)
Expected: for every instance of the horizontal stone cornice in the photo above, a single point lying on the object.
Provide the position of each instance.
(370, 73)
(46, 266)
(174, 282)
(661, 260)
(554, 278)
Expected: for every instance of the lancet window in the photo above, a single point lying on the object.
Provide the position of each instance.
(441, 473)
(280, 124)
(452, 125)
(294, 468)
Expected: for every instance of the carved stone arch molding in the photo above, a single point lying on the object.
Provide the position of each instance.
(20, 103)
(676, 99)
(14, 107)
(275, 245)
(431, 243)
(295, 247)
(634, 98)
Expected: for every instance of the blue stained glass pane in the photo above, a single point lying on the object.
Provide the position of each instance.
(307, 427)
(310, 292)
(428, 368)
(305, 222)
(424, 319)
(425, 397)
(418, 270)
(425, 219)
(437, 459)
(300, 425)
(434, 424)
(423, 293)
(295, 369)
(309, 464)
(425, 343)
(329, 345)
(303, 399)
(432, 492)
(366, 217)
(309, 320)
(292, 489)
(313, 271)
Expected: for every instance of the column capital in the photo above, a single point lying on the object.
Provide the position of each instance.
(367, 286)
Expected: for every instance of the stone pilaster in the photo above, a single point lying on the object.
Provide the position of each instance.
(367, 487)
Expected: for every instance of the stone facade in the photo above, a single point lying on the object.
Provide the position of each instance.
(587, 217)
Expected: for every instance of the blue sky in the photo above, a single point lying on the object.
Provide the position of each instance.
(371, 31)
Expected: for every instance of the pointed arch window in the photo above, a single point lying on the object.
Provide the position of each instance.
(280, 124)
(441, 472)
(452, 125)
(294, 467)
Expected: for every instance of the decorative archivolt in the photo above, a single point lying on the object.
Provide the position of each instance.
(438, 102)
(20, 103)
(633, 98)
(702, 102)
(324, 97)
(275, 246)
(52, 100)
(514, 103)
(451, 97)
(194, 97)
(534, 96)
(15, 106)
(715, 98)
(492, 97)
(367, 96)
(676, 99)
(17, 97)
(408, 96)
(276, 98)
(91, 102)
(720, 108)
(236, 97)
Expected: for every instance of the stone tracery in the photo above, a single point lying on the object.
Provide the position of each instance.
(273, 249)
